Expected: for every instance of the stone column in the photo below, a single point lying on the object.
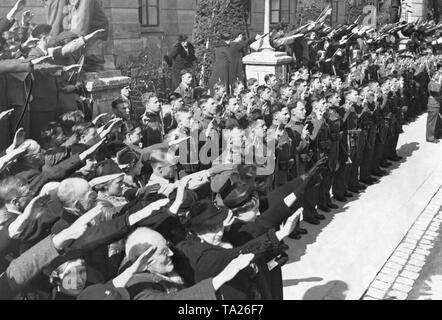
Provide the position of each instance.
(105, 87)
(266, 41)
(267, 60)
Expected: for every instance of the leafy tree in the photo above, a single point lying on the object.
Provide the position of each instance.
(214, 18)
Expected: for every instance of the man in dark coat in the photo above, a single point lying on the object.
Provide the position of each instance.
(221, 65)
(181, 57)
(237, 50)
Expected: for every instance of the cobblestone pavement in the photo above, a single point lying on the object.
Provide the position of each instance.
(414, 269)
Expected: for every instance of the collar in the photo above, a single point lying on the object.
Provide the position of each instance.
(72, 211)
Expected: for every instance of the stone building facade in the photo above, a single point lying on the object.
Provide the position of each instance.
(155, 24)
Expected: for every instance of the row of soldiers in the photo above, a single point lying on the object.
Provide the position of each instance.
(355, 126)
(350, 127)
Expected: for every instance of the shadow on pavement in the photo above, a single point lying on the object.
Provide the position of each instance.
(294, 282)
(332, 290)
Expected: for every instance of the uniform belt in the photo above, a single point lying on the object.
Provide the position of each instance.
(335, 136)
(285, 165)
(325, 145)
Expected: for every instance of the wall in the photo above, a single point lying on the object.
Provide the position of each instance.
(177, 17)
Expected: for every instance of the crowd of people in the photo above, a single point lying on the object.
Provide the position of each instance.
(192, 199)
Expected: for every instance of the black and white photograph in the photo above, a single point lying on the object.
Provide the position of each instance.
(242, 151)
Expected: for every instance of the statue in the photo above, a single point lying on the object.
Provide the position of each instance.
(81, 17)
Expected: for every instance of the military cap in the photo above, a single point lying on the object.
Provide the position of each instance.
(107, 167)
(40, 30)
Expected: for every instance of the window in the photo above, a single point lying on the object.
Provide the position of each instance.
(275, 11)
(149, 12)
(380, 5)
(335, 13)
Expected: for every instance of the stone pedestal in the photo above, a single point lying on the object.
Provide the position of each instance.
(259, 64)
(104, 87)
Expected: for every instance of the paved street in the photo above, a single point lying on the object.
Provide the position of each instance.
(342, 257)
(429, 283)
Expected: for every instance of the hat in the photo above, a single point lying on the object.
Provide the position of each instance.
(225, 36)
(235, 187)
(105, 179)
(40, 30)
(182, 37)
(104, 292)
(190, 197)
(65, 36)
(107, 167)
(205, 215)
(127, 157)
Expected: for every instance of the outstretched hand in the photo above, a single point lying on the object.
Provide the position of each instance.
(29, 214)
(98, 118)
(232, 269)
(95, 34)
(147, 211)
(289, 226)
(87, 153)
(26, 18)
(140, 265)
(76, 230)
(6, 114)
(19, 139)
(112, 125)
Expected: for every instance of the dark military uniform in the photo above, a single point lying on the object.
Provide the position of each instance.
(341, 175)
(153, 130)
(368, 125)
(356, 143)
(300, 149)
(321, 145)
(283, 156)
(382, 125)
(334, 124)
(395, 126)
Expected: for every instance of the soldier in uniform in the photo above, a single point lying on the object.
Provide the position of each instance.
(185, 89)
(321, 143)
(153, 131)
(302, 156)
(334, 124)
(395, 109)
(368, 125)
(347, 146)
(278, 132)
(381, 126)
(356, 141)
(187, 150)
(314, 124)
